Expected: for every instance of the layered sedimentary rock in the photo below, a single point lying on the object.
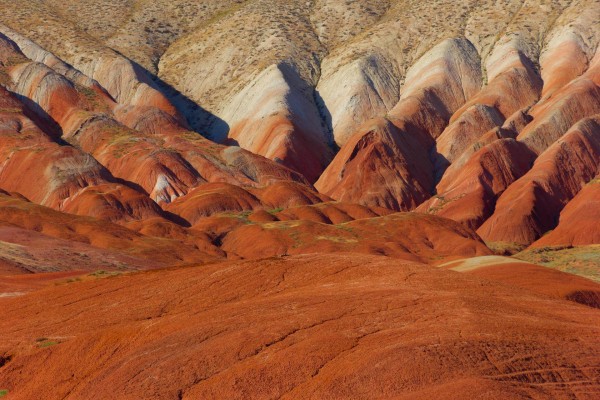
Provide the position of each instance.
(531, 206)
(447, 94)
(59, 175)
(381, 165)
(556, 114)
(379, 103)
(409, 236)
(374, 101)
(469, 194)
(275, 116)
(255, 155)
(40, 239)
(356, 92)
(578, 221)
(87, 145)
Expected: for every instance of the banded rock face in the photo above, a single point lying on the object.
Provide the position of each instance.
(531, 206)
(383, 166)
(189, 135)
(275, 116)
(70, 137)
(578, 221)
(59, 176)
(302, 82)
(469, 194)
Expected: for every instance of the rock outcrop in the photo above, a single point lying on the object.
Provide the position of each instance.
(380, 165)
(469, 194)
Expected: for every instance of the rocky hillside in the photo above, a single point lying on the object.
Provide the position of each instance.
(469, 110)
(299, 199)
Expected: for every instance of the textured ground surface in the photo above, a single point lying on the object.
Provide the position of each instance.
(221, 199)
(314, 326)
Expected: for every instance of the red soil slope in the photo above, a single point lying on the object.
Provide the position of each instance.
(579, 222)
(381, 165)
(532, 205)
(157, 242)
(469, 194)
(50, 240)
(409, 236)
(309, 326)
(535, 278)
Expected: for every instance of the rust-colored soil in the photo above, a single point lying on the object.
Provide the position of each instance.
(220, 199)
(532, 277)
(312, 326)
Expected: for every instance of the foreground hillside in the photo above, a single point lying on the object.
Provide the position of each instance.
(313, 326)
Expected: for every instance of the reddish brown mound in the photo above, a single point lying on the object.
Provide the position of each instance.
(58, 175)
(465, 130)
(535, 278)
(579, 221)
(169, 166)
(338, 212)
(262, 216)
(563, 61)
(163, 173)
(25, 251)
(409, 236)
(142, 144)
(331, 213)
(212, 198)
(514, 87)
(112, 202)
(284, 194)
(381, 165)
(234, 235)
(73, 242)
(218, 226)
(468, 195)
(280, 139)
(531, 206)
(559, 112)
(508, 130)
(310, 326)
